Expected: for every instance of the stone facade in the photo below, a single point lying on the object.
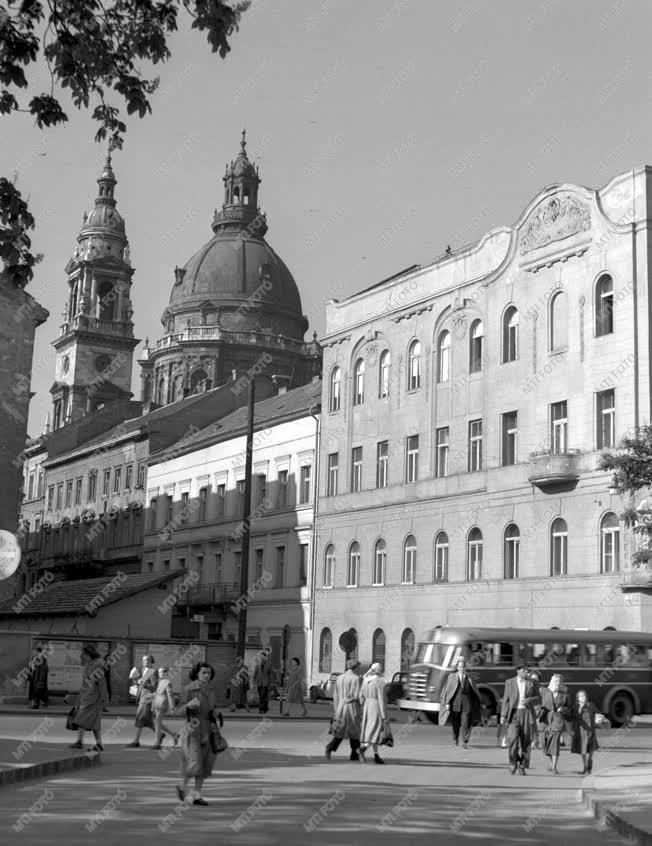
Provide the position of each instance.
(511, 363)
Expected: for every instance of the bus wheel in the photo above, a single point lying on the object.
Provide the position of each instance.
(433, 716)
(621, 710)
(488, 704)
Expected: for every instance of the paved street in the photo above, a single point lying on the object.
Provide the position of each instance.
(274, 779)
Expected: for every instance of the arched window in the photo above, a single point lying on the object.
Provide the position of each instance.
(441, 557)
(358, 382)
(408, 576)
(511, 551)
(474, 555)
(160, 395)
(609, 544)
(378, 647)
(198, 381)
(475, 352)
(380, 560)
(558, 547)
(106, 299)
(414, 366)
(510, 334)
(236, 195)
(335, 389)
(559, 321)
(383, 374)
(407, 649)
(329, 565)
(604, 306)
(444, 357)
(353, 570)
(325, 651)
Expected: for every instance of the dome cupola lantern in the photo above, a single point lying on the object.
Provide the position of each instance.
(240, 208)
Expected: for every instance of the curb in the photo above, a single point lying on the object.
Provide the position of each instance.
(48, 768)
(130, 713)
(603, 811)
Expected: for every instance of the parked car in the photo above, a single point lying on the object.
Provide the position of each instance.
(323, 690)
(396, 688)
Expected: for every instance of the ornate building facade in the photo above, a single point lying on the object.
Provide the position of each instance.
(465, 407)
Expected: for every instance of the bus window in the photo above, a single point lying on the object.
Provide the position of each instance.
(588, 653)
(605, 653)
(439, 654)
(537, 653)
(503, 653)
(633, 656)
(474, 654)
(572, 653)
(555, 654)
(423, 653)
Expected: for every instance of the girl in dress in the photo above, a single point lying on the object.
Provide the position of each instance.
(163, 704)
(585, 742)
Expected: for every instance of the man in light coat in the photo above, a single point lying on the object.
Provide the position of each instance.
(347, 711)
(461, 704)
(518, 714)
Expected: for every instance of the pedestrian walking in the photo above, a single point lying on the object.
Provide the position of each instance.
(462, 704)
(585, 742)
(555, 710)
(520, 697)
(92, 699)
(107, 673)
(239, 686)
(262, 680)
(146, 681)
(296, 688)
(163, 704)
(375, 724)
(38, 679)
(347, 712)
(198, 748)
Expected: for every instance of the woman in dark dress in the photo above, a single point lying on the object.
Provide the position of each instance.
(202, 717)
(555, 710)
(585, 742)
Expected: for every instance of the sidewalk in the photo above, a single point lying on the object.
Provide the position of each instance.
(20, 761)
(621, 798)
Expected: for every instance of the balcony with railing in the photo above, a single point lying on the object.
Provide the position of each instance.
(206, 596)
(554, 468)
(94, 324)
(202, 334)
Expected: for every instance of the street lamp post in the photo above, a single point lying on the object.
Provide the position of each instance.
(246, 525)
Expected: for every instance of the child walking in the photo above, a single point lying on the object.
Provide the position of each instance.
(162, 705)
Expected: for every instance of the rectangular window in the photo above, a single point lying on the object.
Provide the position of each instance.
(356, 469)
(92, 485)
(129, 476)
(475, 446)
(412, 459)
(333, 471)
(280, 567)
(203, 498)
(37, 524)
(240, 492)
(442, 451)
(282, 501)
(259, 565)
(152, 514)
(50, 497)
(261, 489)
(185, 506)
(69, 493)
(117, 479)
(606, 419)
(237, 568)
(30, 487)
(510, 432)
(221, 500)
(303, 564)
(169, 509)
(142, 473)
(166, 564)
(59, 496)
(106, 483)
(219, 570)
(382, 461)
(329, 566)
(304, 488)
(78, 491)
(441, 558)
(558, 427)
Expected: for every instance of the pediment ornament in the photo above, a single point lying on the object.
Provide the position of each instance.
(554, 220)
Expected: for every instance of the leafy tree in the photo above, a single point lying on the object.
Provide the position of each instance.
(631, 465)
(95, 49)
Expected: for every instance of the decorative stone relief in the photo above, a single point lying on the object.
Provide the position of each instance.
(555, 219)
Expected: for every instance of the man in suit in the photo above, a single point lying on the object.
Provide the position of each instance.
(518, 715)
(461, 703)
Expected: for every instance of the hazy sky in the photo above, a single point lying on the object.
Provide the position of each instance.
(384, 130)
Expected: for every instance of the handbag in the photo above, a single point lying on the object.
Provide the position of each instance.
(71, 725)
(217, 740)
(336, 726)
(133, 690)
(386, 738)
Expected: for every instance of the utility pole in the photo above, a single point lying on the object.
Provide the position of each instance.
(246, 526)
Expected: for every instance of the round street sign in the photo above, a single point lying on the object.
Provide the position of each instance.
(9, 554)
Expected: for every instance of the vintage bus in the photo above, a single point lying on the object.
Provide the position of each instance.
(615, 668)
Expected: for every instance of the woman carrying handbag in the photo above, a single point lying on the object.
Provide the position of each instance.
(555, 710)
(375, 725)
